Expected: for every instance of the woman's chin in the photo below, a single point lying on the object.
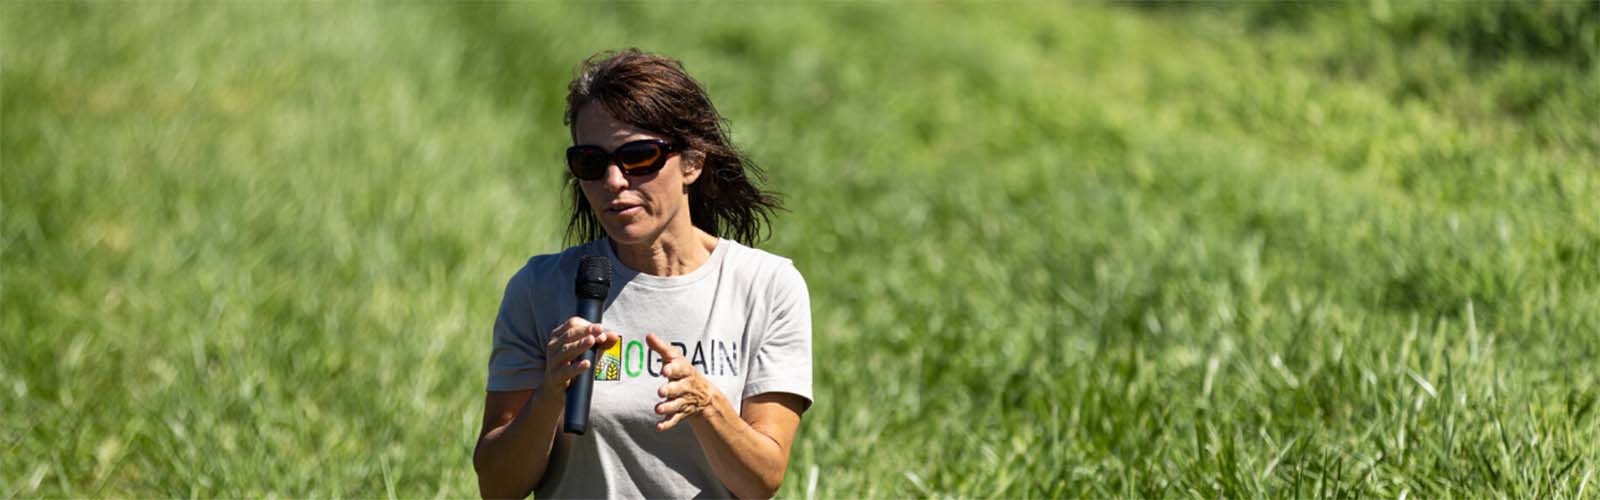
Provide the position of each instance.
(630, 234)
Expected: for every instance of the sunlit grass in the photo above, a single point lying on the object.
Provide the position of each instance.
(255, 249)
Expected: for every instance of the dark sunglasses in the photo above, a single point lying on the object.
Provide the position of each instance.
(643, 157)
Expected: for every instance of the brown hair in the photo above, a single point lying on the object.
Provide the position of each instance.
(654, 93)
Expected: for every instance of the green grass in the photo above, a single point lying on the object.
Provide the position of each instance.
(1190, 250)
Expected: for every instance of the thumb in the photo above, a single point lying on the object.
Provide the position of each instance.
(662, 347)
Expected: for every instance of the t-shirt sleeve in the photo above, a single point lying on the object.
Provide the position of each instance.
(782, 361)
(516, 361)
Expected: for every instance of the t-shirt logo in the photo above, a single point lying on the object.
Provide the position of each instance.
(710, 358)
(610, 366)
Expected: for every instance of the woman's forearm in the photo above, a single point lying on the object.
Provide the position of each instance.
(512, 459)
(748, 462)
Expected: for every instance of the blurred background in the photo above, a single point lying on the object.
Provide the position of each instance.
(1054, 249)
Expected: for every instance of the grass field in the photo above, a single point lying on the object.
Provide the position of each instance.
(1054, 250)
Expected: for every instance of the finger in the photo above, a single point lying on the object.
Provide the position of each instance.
(557, 338)
(575, 369)
(588, 330)
(673, 389)
(554, 349)
(608, 339)
(669, 406)
(669, 421)
(603, 339)
(577, 347)
(577, 324)
(566, 351)
(677, 369)
(571, 331)
(567, 373)
(667, 352)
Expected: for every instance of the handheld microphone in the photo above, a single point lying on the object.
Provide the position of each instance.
(592, 285)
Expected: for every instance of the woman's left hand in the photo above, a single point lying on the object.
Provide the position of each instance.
(687, 393)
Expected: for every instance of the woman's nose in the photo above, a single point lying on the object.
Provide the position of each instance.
(615, 180)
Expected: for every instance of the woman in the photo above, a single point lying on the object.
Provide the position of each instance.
(707, 342)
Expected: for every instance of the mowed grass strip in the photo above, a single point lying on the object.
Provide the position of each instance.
(1079, 250)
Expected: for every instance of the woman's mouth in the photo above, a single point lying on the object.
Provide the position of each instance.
(625, 209)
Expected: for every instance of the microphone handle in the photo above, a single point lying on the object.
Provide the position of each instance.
(581, 391)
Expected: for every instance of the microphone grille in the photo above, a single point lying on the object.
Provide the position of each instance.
(594, 277)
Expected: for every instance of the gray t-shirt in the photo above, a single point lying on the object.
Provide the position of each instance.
(743, 318)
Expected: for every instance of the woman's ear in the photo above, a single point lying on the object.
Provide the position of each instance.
(693, 163)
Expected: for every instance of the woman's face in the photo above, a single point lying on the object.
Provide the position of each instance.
(633, 209)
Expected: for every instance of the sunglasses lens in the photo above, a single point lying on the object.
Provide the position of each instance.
(639, 156)
(587, 163)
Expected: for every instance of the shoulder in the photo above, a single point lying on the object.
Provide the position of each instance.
(765, 271)
(545, 273)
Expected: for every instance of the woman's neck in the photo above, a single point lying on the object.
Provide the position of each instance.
(674, 253)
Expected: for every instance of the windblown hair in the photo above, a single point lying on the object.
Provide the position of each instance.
(654, 93)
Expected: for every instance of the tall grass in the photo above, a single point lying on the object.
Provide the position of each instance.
(1054, 250)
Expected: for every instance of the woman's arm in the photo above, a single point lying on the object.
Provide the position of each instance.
(515, 424)
(748, 452)
(519, 427)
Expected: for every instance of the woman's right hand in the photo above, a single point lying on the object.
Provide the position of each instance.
(567, 342)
